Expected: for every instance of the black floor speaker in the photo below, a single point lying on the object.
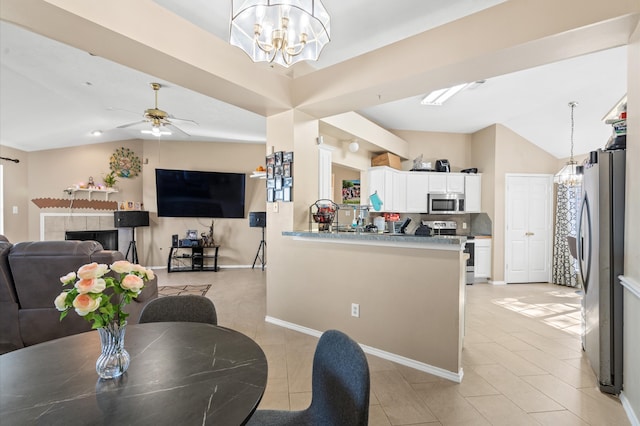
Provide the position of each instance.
(258, 219)
(130, 219)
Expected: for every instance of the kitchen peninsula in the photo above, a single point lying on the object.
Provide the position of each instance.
(400, 296)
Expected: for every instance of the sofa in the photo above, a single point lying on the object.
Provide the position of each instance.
(30, 281)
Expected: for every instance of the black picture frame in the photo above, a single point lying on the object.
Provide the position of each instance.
(270, 195)
(287, 157)
(286, 194)
(287, 182)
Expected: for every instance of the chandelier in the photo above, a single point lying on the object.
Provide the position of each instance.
(280, 31)
(569, 175)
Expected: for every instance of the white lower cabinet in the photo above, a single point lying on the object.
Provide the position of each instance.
(482, 258)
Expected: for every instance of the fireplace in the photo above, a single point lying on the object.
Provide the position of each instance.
(108, 239)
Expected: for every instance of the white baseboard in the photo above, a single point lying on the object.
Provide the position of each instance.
(631, 415)
(436, 371)
(493, 282)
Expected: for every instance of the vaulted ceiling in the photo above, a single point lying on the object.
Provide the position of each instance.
(53, 93)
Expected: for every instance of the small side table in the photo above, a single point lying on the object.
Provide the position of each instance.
(197, 257)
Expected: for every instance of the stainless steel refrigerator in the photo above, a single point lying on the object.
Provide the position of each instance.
(601, 260)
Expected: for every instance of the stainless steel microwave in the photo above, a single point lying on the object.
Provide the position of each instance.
(450, 203)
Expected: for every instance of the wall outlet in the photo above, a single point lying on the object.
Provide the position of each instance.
(464, 225)
(355, 310)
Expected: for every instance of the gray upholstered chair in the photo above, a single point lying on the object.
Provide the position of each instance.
(340, 388)
(188, 308)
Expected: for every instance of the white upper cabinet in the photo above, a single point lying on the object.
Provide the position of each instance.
(381, 181)
(417, 192)
(446, 182)
(455, 183)
(399, 180)
(406, 192)
(438, 182)
(472, 193)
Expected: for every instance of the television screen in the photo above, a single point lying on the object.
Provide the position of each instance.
(187, 193)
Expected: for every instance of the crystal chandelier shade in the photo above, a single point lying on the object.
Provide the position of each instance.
(282, 32)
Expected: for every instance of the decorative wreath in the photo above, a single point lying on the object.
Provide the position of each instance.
(125, 163)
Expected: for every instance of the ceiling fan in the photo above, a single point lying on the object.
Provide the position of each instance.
(160, 120)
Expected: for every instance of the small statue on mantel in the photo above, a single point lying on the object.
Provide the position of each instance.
(207, 239)
(91, 184)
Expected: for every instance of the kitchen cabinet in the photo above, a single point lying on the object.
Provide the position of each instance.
(399, 191)
(406, 192)
(472, 193)
(446, 182)
(381, 180)
(417, 192)
(482, 258)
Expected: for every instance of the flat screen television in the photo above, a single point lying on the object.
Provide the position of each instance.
(188, 193)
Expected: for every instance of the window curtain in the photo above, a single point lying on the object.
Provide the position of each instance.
(564, 265)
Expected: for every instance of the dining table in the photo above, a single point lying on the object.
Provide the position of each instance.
(181, 373)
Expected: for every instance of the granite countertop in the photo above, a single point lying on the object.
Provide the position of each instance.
(443, 240)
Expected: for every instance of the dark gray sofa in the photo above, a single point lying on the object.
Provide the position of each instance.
(30, 281)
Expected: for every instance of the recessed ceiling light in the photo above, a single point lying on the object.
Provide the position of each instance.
(96, 133)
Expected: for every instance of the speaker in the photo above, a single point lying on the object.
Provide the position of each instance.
(130, 219)
(258, 219)
(174, 240)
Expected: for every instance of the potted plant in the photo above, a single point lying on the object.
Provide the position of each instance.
(110, 180)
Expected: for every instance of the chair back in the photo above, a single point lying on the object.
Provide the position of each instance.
(340, 382)
(188, 308)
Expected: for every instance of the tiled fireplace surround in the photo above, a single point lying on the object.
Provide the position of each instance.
(54, 225)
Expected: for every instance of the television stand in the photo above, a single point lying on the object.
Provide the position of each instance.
(192, 259)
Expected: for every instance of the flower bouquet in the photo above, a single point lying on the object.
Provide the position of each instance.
(91, 297)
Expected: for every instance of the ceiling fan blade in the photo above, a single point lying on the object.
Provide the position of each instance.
(131, 124)
(177, 128)
(184, 119)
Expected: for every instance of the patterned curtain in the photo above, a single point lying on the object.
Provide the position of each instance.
(564, 265)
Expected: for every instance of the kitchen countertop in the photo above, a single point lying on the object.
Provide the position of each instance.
(442, 242)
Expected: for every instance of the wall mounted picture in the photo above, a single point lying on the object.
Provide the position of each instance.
(279, 176)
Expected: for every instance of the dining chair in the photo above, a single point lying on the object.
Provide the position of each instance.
(339, 391)
(187, 308)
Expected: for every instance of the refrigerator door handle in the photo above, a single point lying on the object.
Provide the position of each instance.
(585, 214)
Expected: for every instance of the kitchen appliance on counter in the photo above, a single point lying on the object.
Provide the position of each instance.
(449, 203)
(443, 166)
(600, 251)
(430, 228)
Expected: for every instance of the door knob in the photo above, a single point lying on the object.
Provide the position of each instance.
(528, 234)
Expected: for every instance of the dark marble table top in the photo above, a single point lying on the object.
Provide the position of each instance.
(180, 374)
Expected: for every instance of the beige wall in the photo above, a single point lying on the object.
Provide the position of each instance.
(392, 297)
(15, 193)
(435, 146)
(51, 171)
(631, 337)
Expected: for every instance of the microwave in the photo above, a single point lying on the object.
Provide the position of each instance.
(449, 203)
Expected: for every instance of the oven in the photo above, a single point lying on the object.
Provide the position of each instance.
(470, 248)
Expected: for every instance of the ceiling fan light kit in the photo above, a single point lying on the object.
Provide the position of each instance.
(280, 31)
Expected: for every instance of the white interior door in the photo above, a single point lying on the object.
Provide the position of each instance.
(528, 234)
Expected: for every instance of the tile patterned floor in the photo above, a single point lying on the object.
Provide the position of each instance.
(522, 359)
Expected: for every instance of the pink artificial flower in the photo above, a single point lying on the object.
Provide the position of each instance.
(95, 285)
(85, 304)
(92, 270)
(132, 283)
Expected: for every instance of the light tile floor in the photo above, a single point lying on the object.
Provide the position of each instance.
(522, 359)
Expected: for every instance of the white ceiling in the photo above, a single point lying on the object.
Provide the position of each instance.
(53, 95)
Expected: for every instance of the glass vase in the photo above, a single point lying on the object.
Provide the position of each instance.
(114, 358)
